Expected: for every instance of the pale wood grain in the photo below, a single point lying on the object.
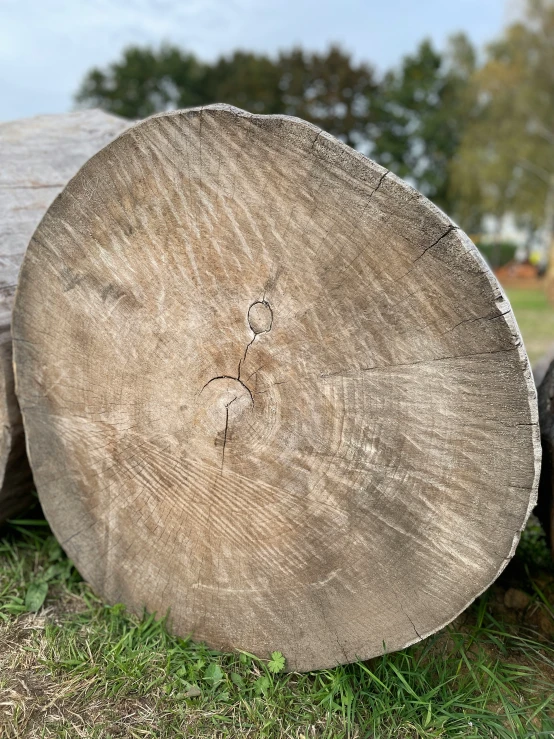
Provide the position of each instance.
(269, 387)
(38, 156)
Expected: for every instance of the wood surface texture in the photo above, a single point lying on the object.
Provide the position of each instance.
(545, 503)
(38, 156)
(269, 387)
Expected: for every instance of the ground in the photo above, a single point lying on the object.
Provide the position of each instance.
(72, 667)
(535, 318)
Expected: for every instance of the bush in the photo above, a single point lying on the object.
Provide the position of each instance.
(498, 253)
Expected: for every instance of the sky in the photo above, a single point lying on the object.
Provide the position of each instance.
(47, 46)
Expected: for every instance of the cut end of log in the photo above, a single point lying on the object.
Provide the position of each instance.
(269, 387)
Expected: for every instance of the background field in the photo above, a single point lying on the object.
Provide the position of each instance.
(72, 667)
(535, 318)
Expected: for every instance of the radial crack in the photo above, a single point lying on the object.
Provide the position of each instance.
(409, 619)
(226, 429)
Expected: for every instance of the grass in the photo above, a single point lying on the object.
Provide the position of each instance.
(535, 317)
(73, 667)
(77, 668)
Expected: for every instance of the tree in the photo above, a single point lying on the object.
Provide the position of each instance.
(328, 89)
(420, 116)
(506, 157)
(411, 121)
(145, 82)
(331, 91)
(246, 80)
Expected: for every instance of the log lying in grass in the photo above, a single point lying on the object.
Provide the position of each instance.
(269, 387)
(545, 503)
(38, 156)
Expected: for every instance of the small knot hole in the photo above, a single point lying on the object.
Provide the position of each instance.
(260, 317)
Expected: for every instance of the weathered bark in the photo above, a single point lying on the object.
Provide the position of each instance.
(270, 388)
(38, 156)
(545, 502)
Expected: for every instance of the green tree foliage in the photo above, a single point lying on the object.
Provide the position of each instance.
(328, 89)
(420, 116)
(145, 82)
(249, 81)
(505, 162)
(411, 120)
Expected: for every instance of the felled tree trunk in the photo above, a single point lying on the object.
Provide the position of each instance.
(545, 503)
(269, 387)
(38, 156)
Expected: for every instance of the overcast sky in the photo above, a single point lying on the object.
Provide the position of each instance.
(46, 46)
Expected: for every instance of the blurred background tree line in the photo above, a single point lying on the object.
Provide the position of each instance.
(473, 130)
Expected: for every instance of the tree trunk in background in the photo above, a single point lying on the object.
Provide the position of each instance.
(545, 503)
(38, 156)
(548, 228)
(271, 389)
